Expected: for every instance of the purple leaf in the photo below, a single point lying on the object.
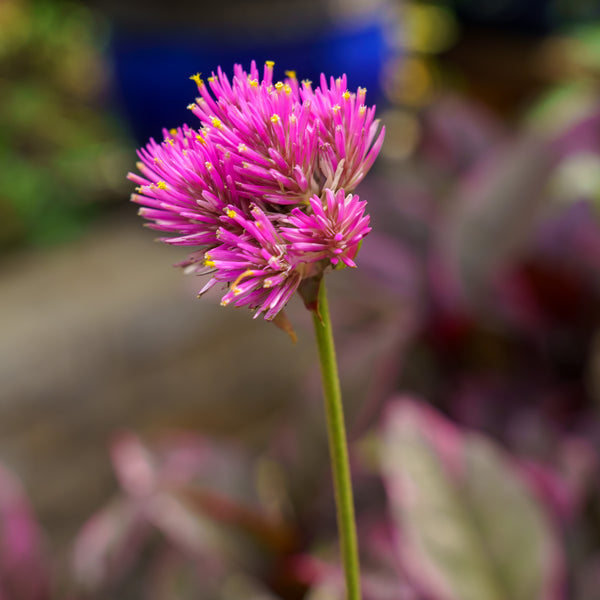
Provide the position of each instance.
(23, 573)
(469, 527)
(108, 544)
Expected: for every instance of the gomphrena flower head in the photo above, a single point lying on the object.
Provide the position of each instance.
(263, 186)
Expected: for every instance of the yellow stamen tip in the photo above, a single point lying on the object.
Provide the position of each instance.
(290, 74)
(208, 260)
(197, 79)
(242, 148)
(275, 118)
(279, 85)
(270, 63)
(212, 79)
(231, 213)
(162, 185)
(208, 165)
(346, 95)
(191, 106)
(336, 107)
(173, 131)
(216, 122)
(234, 285)
(157, 160)
(362, 109)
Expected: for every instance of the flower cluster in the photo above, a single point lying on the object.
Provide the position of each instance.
(263, 187)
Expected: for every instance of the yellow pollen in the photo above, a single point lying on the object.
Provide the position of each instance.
(139, 189)
(157, 160)
(306, 82)
(201, 139)
(208, 260)
(254, 82)
(171, 141)
(231, 213)
(173, 131)
(268, 283)
(225, 301)
(287, 88)
(291, 74)
(362, 109)
(246, 165)
(336, 107)
(279, 85)
(346, 95)
(270, 64)
(242, 148)
(216, 122)
(208, 165)
(197, 79)
(234, 285)
(362, 90)
(212, 79)
(191, 106)
(292, 118)
(275, 118)
(162, 185)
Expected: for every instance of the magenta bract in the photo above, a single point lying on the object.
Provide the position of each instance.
(263, 187)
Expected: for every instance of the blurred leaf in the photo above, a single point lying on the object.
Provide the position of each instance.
(108, 545)
(469, 529)
(23, 572)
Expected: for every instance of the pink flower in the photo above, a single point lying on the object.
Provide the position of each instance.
(347, 132)
(332, 231)
(262, 187)
(255, 263)
(269, 133)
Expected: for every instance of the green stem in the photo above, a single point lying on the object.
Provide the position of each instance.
(338, 447)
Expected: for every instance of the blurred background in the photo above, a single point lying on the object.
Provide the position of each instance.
(477, 291)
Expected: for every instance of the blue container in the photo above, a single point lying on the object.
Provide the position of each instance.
(152, 71)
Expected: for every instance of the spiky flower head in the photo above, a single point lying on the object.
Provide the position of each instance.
(263, 187)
